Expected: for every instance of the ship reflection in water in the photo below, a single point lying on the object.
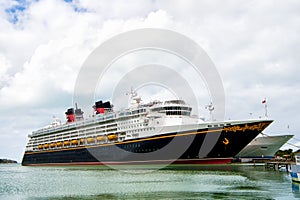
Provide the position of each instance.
(93, 182)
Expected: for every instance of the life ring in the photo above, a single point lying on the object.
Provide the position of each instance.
(225, 141)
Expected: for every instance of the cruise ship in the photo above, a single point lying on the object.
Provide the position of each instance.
(263, 147)
(154, 133)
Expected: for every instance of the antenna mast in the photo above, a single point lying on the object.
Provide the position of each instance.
(210, 108)
(136, 100)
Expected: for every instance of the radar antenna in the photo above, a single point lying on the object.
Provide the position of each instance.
(210, 108)
(136, 100)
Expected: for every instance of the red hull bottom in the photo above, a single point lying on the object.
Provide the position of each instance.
(206, 161)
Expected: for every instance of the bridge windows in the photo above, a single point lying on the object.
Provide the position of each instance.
(174, 110)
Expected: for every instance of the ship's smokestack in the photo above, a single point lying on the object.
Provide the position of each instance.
(102, 107)
(74, 115)
(70, 115)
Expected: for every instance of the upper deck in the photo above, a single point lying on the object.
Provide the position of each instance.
(157, 108)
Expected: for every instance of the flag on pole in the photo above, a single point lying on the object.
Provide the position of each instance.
(264, 101)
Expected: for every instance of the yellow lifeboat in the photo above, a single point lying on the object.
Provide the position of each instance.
(66, 143)
(100, 138)
(81, 141)
(74, 142)
(40, 146)
(52, 145)
(112, 137)
(59, 144)
(46, 146)
(90, 140)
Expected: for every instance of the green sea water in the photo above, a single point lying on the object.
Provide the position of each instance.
(173, 182)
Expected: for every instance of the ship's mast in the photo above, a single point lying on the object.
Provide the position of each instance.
(266, 111)
(135, 99)
(78, 113)
(266, 107)
(210, 108)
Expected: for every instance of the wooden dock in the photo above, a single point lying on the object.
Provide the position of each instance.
(279, 165)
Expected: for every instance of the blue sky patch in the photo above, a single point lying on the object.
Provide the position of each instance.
(78, 9)
(14, 11)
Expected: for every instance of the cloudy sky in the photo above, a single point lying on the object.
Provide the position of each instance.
(254, 45)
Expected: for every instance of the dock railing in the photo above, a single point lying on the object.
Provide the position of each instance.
(280, 165)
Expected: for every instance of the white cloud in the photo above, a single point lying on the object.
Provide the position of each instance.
(4, 66)
(116, 9)
(255, 46)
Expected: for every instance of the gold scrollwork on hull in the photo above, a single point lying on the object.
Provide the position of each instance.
(225, 141)
(257, 127)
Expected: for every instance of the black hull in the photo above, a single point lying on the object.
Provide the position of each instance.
(172, 147)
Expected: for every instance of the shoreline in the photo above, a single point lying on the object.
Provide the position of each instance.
(7, 161)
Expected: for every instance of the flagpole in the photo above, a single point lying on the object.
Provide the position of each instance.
(266, 107)
(266, 110)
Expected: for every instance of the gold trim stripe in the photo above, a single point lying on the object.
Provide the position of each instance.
(126, 142)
